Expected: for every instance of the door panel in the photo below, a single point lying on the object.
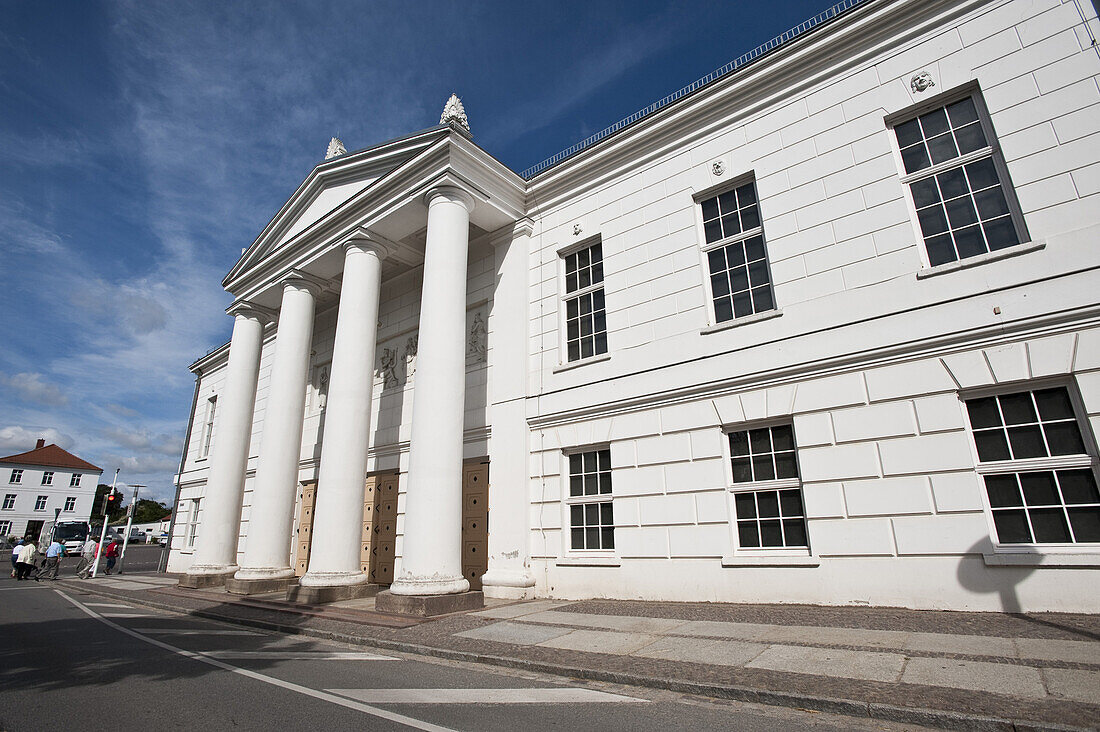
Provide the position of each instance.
(475, 521)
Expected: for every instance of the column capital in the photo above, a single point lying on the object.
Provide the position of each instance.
(303, 281)
(366, 240)
(252, 310)
(452, 193)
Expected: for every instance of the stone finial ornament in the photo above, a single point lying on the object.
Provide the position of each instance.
(454, 114)
(335, 149)
(921, 81)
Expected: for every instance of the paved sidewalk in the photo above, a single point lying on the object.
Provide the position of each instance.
(944, 669)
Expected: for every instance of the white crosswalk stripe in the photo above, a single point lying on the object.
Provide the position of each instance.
(274, 655)
(108, 604)
(192, 631)
(482, 696)
(128, 615)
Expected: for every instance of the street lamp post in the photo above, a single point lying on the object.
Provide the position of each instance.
(103, 531)
(129, 523)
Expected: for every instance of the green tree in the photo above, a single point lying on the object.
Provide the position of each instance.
(148, 511)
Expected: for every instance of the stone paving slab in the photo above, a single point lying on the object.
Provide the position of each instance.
(697, 650)
(515, 633)
(1082, 686)
(866, 665)
(718, 629)
(971, 645)
(610, 622)
(1045, 649)
(518, 609)
(996, 678)
(599, 641)
(838, 636)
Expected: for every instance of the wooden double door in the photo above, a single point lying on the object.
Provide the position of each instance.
(379, 535)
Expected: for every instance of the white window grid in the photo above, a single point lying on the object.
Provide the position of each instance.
(47, 477)
(5, 528)
(767, 510)
(9, 501)
(70, 503)
(584, 310)
(589, 509)
(74, 481)
(958, 189)
(1039, 474)
(16, 476)
(193, 523)
(40, 503)
(739, 281)
(208, 426)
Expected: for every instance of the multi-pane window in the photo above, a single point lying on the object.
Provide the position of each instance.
(208, 425)
(193, 523)
(5, 528)
(591, 520)
(951, 168)
(70, 503)
(767, 494)
(1039, 477)
(40, 503)
(16, 476)
(585, 316)
(9, 501)
(47, 477)
(740, 283)
(74, 481)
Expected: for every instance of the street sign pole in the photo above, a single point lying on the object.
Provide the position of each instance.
(129, 523)
(103, 531)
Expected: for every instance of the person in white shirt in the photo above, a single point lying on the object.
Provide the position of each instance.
(25, 565)
(88, 554)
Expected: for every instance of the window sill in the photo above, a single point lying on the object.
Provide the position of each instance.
(1035, 559)
(588, 562)
(583, 362)
(1014, 251)
(755, 318)
(757, 560)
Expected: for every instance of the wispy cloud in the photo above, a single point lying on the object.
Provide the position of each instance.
(31, 387)
(16, 438)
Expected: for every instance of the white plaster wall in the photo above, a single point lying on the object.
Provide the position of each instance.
(30, 488)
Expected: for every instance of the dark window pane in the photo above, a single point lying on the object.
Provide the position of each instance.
(758, 273)
(783, 437)
(925, 192)
(908, 133)
(582, 258)
(761, 440)
(591, 462)
(735, 254)
(767, 503)
(575, 464)
(723, 310)
(794, 532)
(607, 515)
(586, 348)
(742, 305)
(608, 538)
(962, 112)
(969, 242)
(1049, 525)
(584, 278)
(742, 470)
(754, 249)
(600, 320)
(577, 538)
(605, 483)
(603, 459)
(970, 138)
(1064, 438)
(983, 412)
(940, 249)
(585, 302)
(572, 308)
(592, 514)
(1001, 233)
(915, 158)
(991, 445)
(770, 533)
(982, 174)
(745, 505)
(932, 220)
(1039, 489)
(746, 195)
(739, 279)
(762, 468)
(960, 212)
(1027, 442)
(597, 273)
(1054, 404)
(592, 538)
(574, 350)
(597, 253)
(791, 502)
(730, 225)
(762, 299)
(1078, 486)
(747, 535)
(586, 326)
(591, 484)
(1002, 491)
(991, 203)
(570, 282)
(1085, 523)
(934, 122)
(1011, 527)
(727, 202)
(785, 465)
(576, 485)
(942, 148)
(597, 299)
(576, 515)
(712, 230)
(710, 208)
(1018, 408)
(739, 443)
(750, 218)
(952, 183)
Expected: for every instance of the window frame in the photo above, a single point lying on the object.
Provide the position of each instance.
(74, 480)
(705, 248)
(9, 502)
(16, 476)
(70, 504)
(1090, 459)
(992, 150)
(41, 503)
(207, 437)
(569, 501)
(5, 528)
(47, 477)
(796, 556)
(193, 524)
(565, 296)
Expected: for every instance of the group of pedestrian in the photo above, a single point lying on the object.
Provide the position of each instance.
(24, 559)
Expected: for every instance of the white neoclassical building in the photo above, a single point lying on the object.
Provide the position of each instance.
(823, 327)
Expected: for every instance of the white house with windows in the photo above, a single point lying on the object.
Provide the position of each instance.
(823, 327)
(44, 483)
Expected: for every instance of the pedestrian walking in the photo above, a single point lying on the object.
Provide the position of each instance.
(15, 557)
(112, 553)
(54, 552)
(88, 555)
(25, 565)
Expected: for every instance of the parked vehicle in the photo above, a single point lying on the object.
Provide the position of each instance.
(72, 534)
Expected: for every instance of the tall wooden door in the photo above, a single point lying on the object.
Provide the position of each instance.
(475, 521)
(307, 494)
(379, 528)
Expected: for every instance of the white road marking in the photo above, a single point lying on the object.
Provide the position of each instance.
(108, 604)
(276, 655)
(128, 615)
(192, 631)
(557, 695)
(304, 690)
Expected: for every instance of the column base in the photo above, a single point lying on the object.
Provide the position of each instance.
(424, 606)
(202, 580)
(237, 586)
(508, 584)
(333, 593)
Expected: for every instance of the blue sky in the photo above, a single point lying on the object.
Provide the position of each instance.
(143, 144)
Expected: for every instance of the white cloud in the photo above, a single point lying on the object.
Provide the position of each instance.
(15, 439)
(30, 387)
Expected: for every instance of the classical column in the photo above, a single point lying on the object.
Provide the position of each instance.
(509, 574)
(266, 563)
(334, 567)
(216, 554)
(431, 556)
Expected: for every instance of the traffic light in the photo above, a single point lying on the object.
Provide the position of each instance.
(111, 504)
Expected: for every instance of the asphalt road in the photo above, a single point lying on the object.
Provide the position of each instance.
(74, 661)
